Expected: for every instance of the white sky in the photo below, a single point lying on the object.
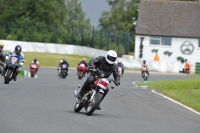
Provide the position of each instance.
(93, 10)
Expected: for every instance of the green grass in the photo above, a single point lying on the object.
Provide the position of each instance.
(47, 59)
(186, 91)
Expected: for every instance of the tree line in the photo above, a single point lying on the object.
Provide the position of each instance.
(64, 22)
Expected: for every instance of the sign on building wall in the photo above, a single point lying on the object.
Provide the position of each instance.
(187, 48)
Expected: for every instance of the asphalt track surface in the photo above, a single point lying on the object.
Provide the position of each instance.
(45, 105)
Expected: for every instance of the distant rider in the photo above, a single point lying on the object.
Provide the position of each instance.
(20, 56)
(83, 62)
(35, 61)
(64, 61)
(121, 65)
(144, 66)
(2, 58)
(107, 66)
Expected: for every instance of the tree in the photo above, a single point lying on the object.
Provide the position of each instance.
(41, 21)
(77, 21)
(120, 16)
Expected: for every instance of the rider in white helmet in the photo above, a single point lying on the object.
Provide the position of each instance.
(107, 66)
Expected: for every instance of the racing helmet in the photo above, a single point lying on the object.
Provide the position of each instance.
(111, 56)
(1, 45)
(18, 49)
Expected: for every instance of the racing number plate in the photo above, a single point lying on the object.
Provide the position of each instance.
(14, 59)
(103, 83)
(64, 66)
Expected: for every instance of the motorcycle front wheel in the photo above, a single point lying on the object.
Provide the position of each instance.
(94, 104)
(7, 77)
(77, 107)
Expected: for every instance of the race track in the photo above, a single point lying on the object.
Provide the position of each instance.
(45, 105)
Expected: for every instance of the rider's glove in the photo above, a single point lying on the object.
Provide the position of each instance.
(91, 67)
(117, 83)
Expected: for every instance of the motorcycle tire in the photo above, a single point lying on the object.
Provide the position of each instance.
(7, 77)
(80, 74)
(97, 101)
(32, 74)
(77, 107)
(145, 76)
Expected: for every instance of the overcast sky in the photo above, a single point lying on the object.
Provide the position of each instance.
(93, 10)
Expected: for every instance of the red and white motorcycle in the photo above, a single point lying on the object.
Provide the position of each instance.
(93, 95)
(82, 69)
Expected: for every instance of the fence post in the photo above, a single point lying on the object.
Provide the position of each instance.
(108, 39)
(93, 37)
(53, 39)
(118, 42)
(26, 31)
(100, 38)
(82, 36)
(126, 43)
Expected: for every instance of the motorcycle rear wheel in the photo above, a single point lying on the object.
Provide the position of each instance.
(80, 75)
(97, 101)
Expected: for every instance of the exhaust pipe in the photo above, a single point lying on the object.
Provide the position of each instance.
(75, 93)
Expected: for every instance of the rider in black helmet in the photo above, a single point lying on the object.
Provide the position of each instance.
(17, 53)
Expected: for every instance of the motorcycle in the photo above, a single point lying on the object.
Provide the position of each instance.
(64, 71)
(81, 70)
(10, 69)
(120, 71)
(144, 73)
(93, 95)
(33, 69)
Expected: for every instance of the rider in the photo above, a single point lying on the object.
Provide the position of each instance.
(20, 56)
(105, 65)
(64, 61)
(2, 58)
(146, 66)
(35, 61)
(84, 62)
(121, 65)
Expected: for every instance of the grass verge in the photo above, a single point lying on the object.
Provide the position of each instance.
(48, 59)
(186, 91)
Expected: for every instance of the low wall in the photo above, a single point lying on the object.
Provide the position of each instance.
(163, 66)
(53, 48)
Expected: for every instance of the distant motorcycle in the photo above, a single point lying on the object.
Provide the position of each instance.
(82, 69)
(144, 73)
(33, 69)
(10, 69)
(94, 95)
(120, 71)
(64, 71)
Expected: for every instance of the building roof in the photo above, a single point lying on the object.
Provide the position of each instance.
(169, 18)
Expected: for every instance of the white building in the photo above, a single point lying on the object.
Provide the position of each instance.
(169, 27)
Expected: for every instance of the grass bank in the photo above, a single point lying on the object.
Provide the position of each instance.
(47, 59)
(186, 91)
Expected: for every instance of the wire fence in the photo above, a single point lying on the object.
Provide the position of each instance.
(99, 38)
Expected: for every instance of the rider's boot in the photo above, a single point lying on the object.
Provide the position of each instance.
(98, 107)
(15, 77)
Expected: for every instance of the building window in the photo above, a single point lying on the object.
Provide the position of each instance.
(199, 43)
(166, 41)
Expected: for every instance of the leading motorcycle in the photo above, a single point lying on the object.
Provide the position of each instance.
(10, 69)
(94, 94)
